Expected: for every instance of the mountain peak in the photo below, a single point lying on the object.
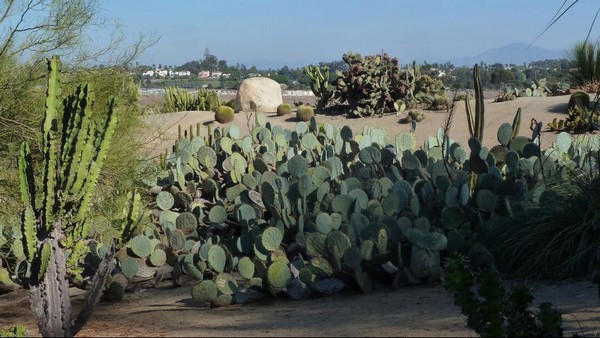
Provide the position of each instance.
(515, 53)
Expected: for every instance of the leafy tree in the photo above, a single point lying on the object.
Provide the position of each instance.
(501, 76)
(222, 65)
(31, 31)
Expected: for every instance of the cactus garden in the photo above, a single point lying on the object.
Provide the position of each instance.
(404, 194)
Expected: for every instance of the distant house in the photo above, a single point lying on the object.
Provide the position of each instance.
(149, 73)
(179, 73)
(204, 74)
(436, 72)
(226, 75)
(162, 72)
(216, 75)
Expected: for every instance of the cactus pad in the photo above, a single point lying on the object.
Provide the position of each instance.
(217, 258)
(271, 238)
(226, 284)
(279, 275)
(141, 246)
(204, 292)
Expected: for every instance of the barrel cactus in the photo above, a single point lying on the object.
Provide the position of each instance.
(416, 115)
(224, 114)
(284, 109)
(579, 99)
(304, 113)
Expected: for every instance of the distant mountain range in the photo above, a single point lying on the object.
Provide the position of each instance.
(514, 53)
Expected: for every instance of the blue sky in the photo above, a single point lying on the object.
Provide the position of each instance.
(301, 32)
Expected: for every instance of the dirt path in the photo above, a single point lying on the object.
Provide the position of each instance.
(414, 311)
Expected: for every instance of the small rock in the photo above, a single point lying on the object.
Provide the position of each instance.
(250, 295)
(297, 290)
(329, 286)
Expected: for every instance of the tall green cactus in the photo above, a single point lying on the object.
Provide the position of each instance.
(73, 159)
(476, 120)
(319, 83)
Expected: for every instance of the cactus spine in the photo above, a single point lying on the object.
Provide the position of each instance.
(71, 168)
(476, 120)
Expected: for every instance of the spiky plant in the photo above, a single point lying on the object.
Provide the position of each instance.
(555, 238)
(55, 226)
(586, 61)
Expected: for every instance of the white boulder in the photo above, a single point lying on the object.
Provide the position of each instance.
(259, 94)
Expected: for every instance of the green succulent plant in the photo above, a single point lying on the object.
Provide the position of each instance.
(224, 114)
(284, 109)
(305, 113)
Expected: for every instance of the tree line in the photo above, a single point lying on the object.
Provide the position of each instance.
(493, 76)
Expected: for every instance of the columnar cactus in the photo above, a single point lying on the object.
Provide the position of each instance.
(319, 84)
(476, 120)
(73, 159)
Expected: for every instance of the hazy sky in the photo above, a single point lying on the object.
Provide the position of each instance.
(301, 32)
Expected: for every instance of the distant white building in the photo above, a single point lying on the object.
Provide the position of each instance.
(216, 74)
(148, 73)
(173, 73)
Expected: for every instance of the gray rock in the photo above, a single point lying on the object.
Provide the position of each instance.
(250, 295)
(329, 286)
(297, 290)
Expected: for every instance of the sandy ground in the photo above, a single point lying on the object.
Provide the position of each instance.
(163, 131)
(414, 311)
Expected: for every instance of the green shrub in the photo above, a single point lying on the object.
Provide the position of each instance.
(224, 114)
(496, 311)
(177, 99)
(14, 331)
(284, 109)
(304, 113)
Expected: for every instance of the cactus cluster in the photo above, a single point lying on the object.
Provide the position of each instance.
(428, 91)
(507, 94)
(579, 120)
(320, 208)
(534, 88)
(377, 85)
(317, 208)
(319, 84)
(177, 99)
(580, 117)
